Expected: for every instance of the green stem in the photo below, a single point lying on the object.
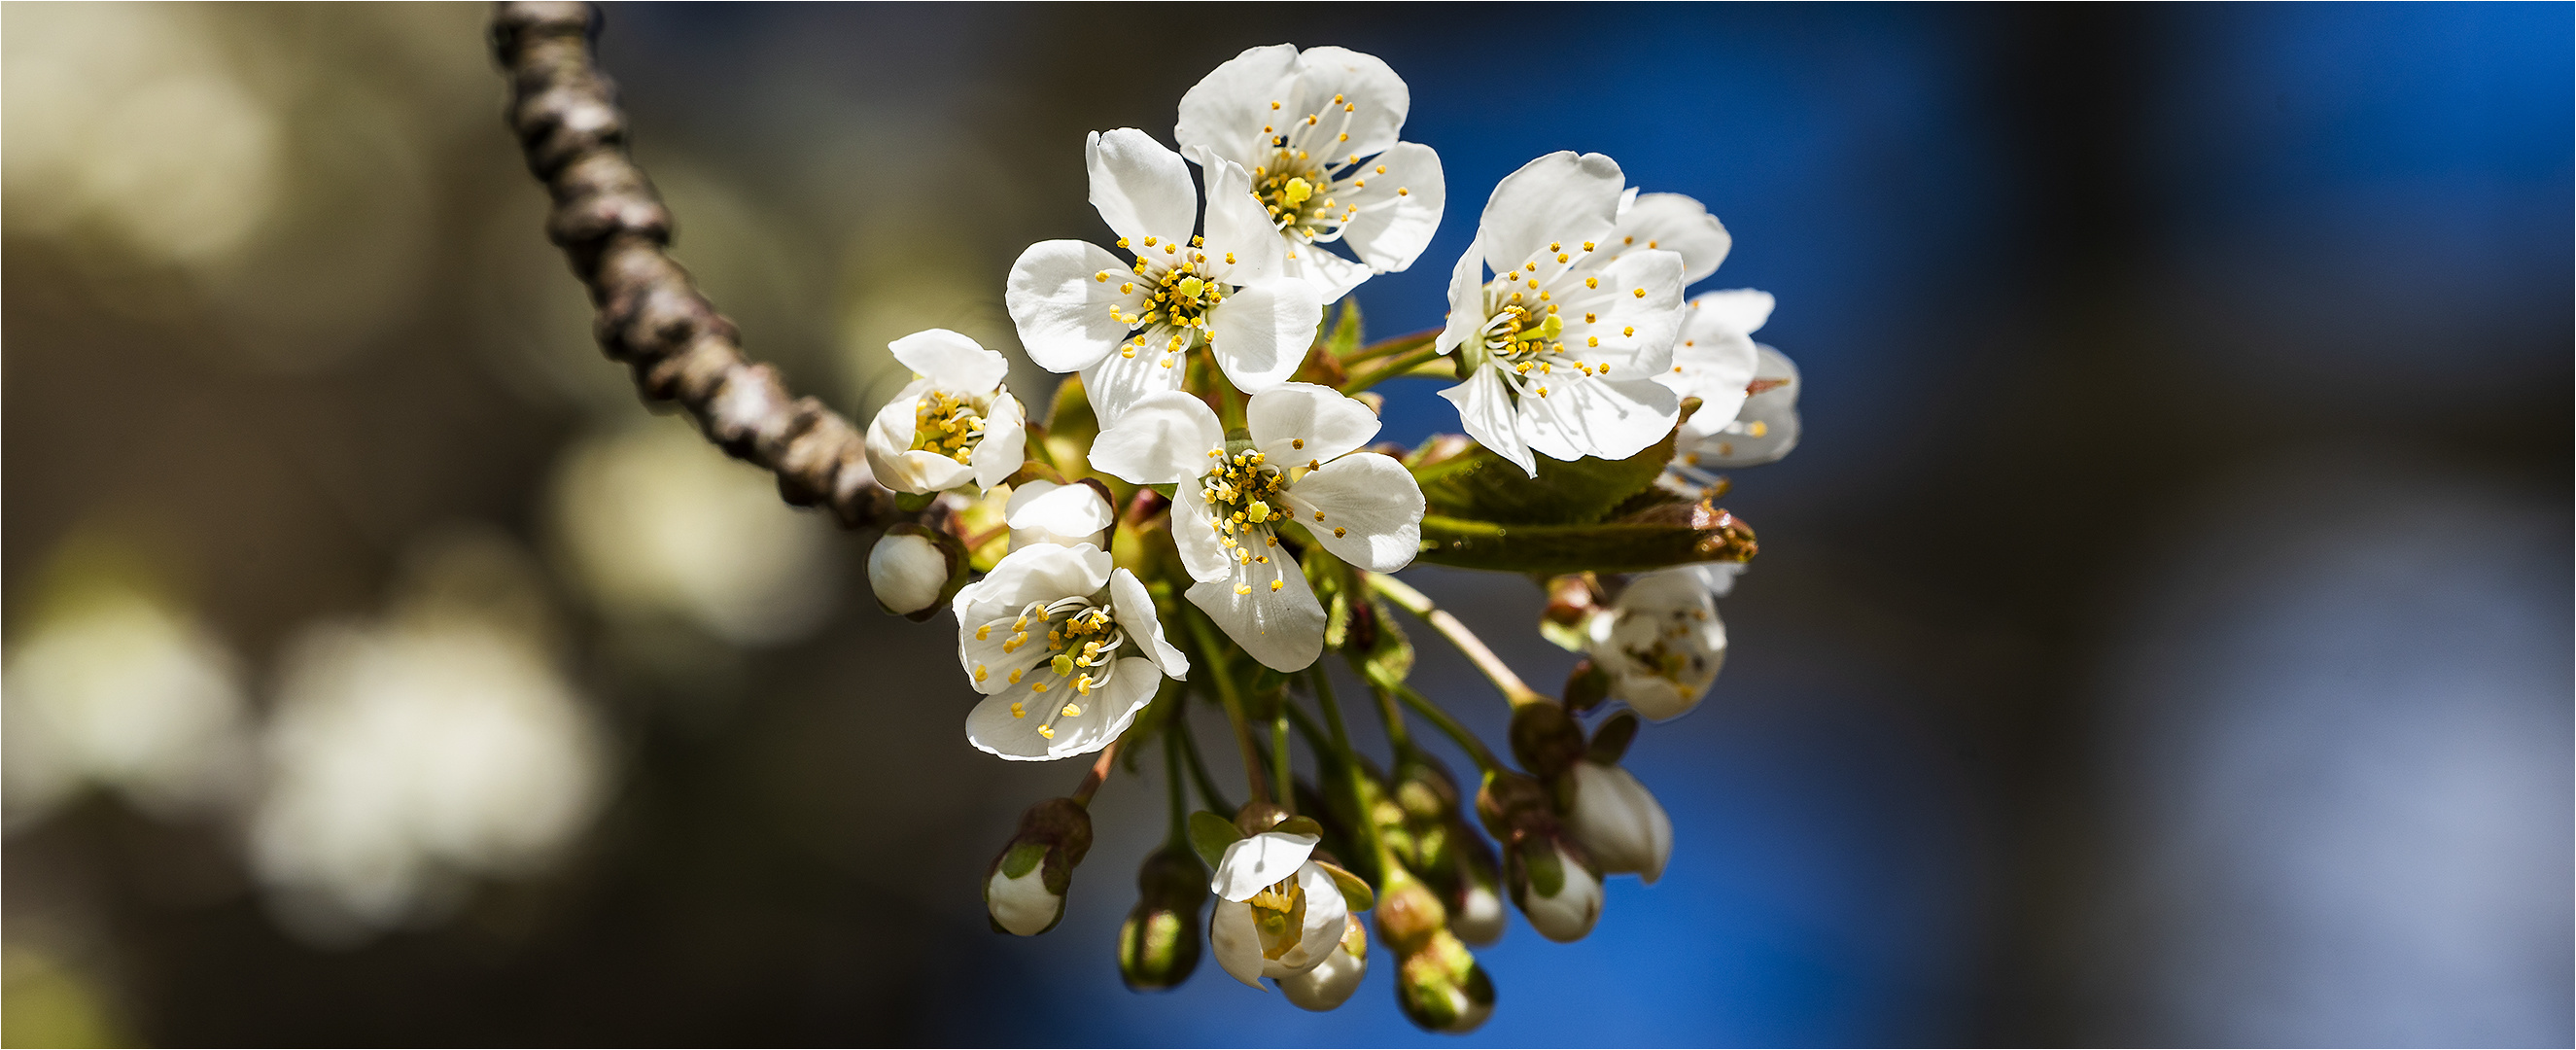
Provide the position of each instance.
(1495, 670)
(1392, 369)
(1475, 748)
(1227, 695)
(1391, 346)
(1208, 791)
(1279, 767)
(1332, 711)
(1179, 835)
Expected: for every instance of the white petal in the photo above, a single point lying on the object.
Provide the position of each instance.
(1198, 535)
(1329, 984)
(1067, 316)
(1766, 428)
(1560, 197)
(1332, 275)
(1740, 310)
(1296, 423)
(1141, 188)
(951, 360)
(1022, 905)
(1250, 865)
(1004, 446)
(1226, 109)
(907, 572)
(1282, 626)
(1104, 713)
(1619, 822)
(1377, 98)
(1592, 417)
(1261, 332)
(1143, 366)
(1321, 934)
(1037, 574)
(1393, 228)
(1163, 439)
(1466, 299)
(1570, 914)
(1045, 512)
(1236, 941)
(1673, 223)
(1242, 245)
(1634, 332)
(1365, 508)
(1134, 608)
(1485, 411)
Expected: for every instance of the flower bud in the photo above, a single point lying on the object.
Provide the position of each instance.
(1476, 906)
(1618, 821)
(1438, 983)
(913, 569)
(1587, 687)
(1024, 891)
(1328, 986)
(1158, 946)
(1556, 888)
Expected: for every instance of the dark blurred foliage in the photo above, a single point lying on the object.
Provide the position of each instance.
(2162, 363)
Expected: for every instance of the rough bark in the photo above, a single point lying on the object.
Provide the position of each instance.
(612, 226)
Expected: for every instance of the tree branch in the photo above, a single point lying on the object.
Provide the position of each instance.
(612, 226)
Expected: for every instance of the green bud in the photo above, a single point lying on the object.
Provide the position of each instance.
(1546, 740)
(1442, 988)
(1158, 945)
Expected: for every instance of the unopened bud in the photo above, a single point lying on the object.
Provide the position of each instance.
(914, 569)
(1158, 945)
(1258, 816)
(1571, 599)
(1545, 739)
(1024, 891)
(1555, 886)
(1619, 822)
(1442, 988)
(1476, 906)
(1587, 686)
(1329, 985)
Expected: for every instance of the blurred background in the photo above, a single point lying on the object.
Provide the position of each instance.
(2162, 635)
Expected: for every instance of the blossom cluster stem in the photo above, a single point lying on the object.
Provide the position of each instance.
(1097, 775)
(1474, 648)
(1209, 793)
(1475, 748)
(1392, 369)
(1280, 770)
(1229, 696)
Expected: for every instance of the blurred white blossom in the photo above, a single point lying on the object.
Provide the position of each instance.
(121, 692)
(657, 522)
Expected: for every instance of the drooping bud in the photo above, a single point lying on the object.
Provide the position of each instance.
(1555, 886)
(1158, 945)
(1618, 821)
(1024, 891)
(1328, 986)
(1443, 847)
(1438, 982)
(1476, 906)
(1587, 687)
(914, 569)
(1550, 877)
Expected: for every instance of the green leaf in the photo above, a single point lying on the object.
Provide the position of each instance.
(1663, 535)
(1210, 834)
(1546, 869)
(1355, 890)
(1476, 484)
(913, 502)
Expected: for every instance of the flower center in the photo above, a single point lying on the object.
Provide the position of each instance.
(1279, 915)
(947, 424)
(1525, 334)
(1298, 190)
(1184, 292)
(1667, 655)
(1243, 489)
(1084, 639)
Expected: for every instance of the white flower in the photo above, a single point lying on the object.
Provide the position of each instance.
(1317, 131)
(1129, 327)
(1714, 362)
(1047, 637)
(907, 571)
(1661, 643)
(1478, 918)
(1670, 222)
(1619, 822)
(1064, 515)
(953, 424)
(1022, 905)
(1331, 982)
(1278, 914)
(1718, 576)
(124, 692)
(1762, 431)
(1565, 343)
(1564, 907)
(1300, 466)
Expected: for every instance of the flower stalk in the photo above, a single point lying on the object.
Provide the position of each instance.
(1473, 648)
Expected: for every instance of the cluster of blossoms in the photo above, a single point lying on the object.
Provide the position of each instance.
(1201, 517)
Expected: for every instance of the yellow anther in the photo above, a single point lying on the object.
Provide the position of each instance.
(1561, 257)
(1339, 532)
(1641, 293)
(1277, 584)
(1126, 287)
(1628, 331)
(984, 632)
(1402, 192)
(1071, 710)
(1122, 242)
(1047, 732)
(1149, 242)
(1242, 588)
(1381, 169)
(1589, 317)
(1040, 687)
(1018, 711)
(1296, 442)
(1592, 282)
(1170, 249)
(1015, 677)
(1533, 267)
